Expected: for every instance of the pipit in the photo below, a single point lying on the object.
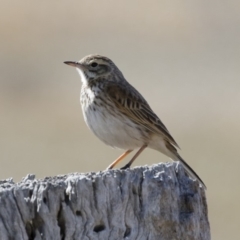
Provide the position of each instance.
(119, 115)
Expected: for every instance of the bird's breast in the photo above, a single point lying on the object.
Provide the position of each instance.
(108, 124)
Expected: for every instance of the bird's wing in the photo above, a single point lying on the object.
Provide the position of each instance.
(132, 104)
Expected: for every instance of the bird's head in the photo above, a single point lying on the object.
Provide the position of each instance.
(94, 67)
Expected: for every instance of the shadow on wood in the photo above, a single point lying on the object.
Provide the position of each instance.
(159, 202)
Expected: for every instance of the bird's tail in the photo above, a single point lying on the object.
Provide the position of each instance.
(171, 151)
(191, 171)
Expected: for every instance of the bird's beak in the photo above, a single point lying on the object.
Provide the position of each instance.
(73, 64)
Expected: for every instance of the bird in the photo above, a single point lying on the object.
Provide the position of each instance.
(119, 115)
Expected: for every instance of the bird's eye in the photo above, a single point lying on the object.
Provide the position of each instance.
(94, 64)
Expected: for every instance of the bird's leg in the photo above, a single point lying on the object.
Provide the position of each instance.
(112, 165)
(134, 157)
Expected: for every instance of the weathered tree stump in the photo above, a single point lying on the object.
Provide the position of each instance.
(159, 202)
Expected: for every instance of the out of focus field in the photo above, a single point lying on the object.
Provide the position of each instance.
(183, 56)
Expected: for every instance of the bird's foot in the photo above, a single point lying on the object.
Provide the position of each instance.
(126, 166)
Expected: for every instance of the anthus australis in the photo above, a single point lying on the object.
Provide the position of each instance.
(119, 115)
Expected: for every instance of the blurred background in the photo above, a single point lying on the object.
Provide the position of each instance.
(183, 56)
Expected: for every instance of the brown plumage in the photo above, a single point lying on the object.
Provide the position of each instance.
(119, 115)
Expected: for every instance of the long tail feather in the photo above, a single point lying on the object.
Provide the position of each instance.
(191, 171)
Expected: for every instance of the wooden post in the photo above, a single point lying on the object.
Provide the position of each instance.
(156, 203)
